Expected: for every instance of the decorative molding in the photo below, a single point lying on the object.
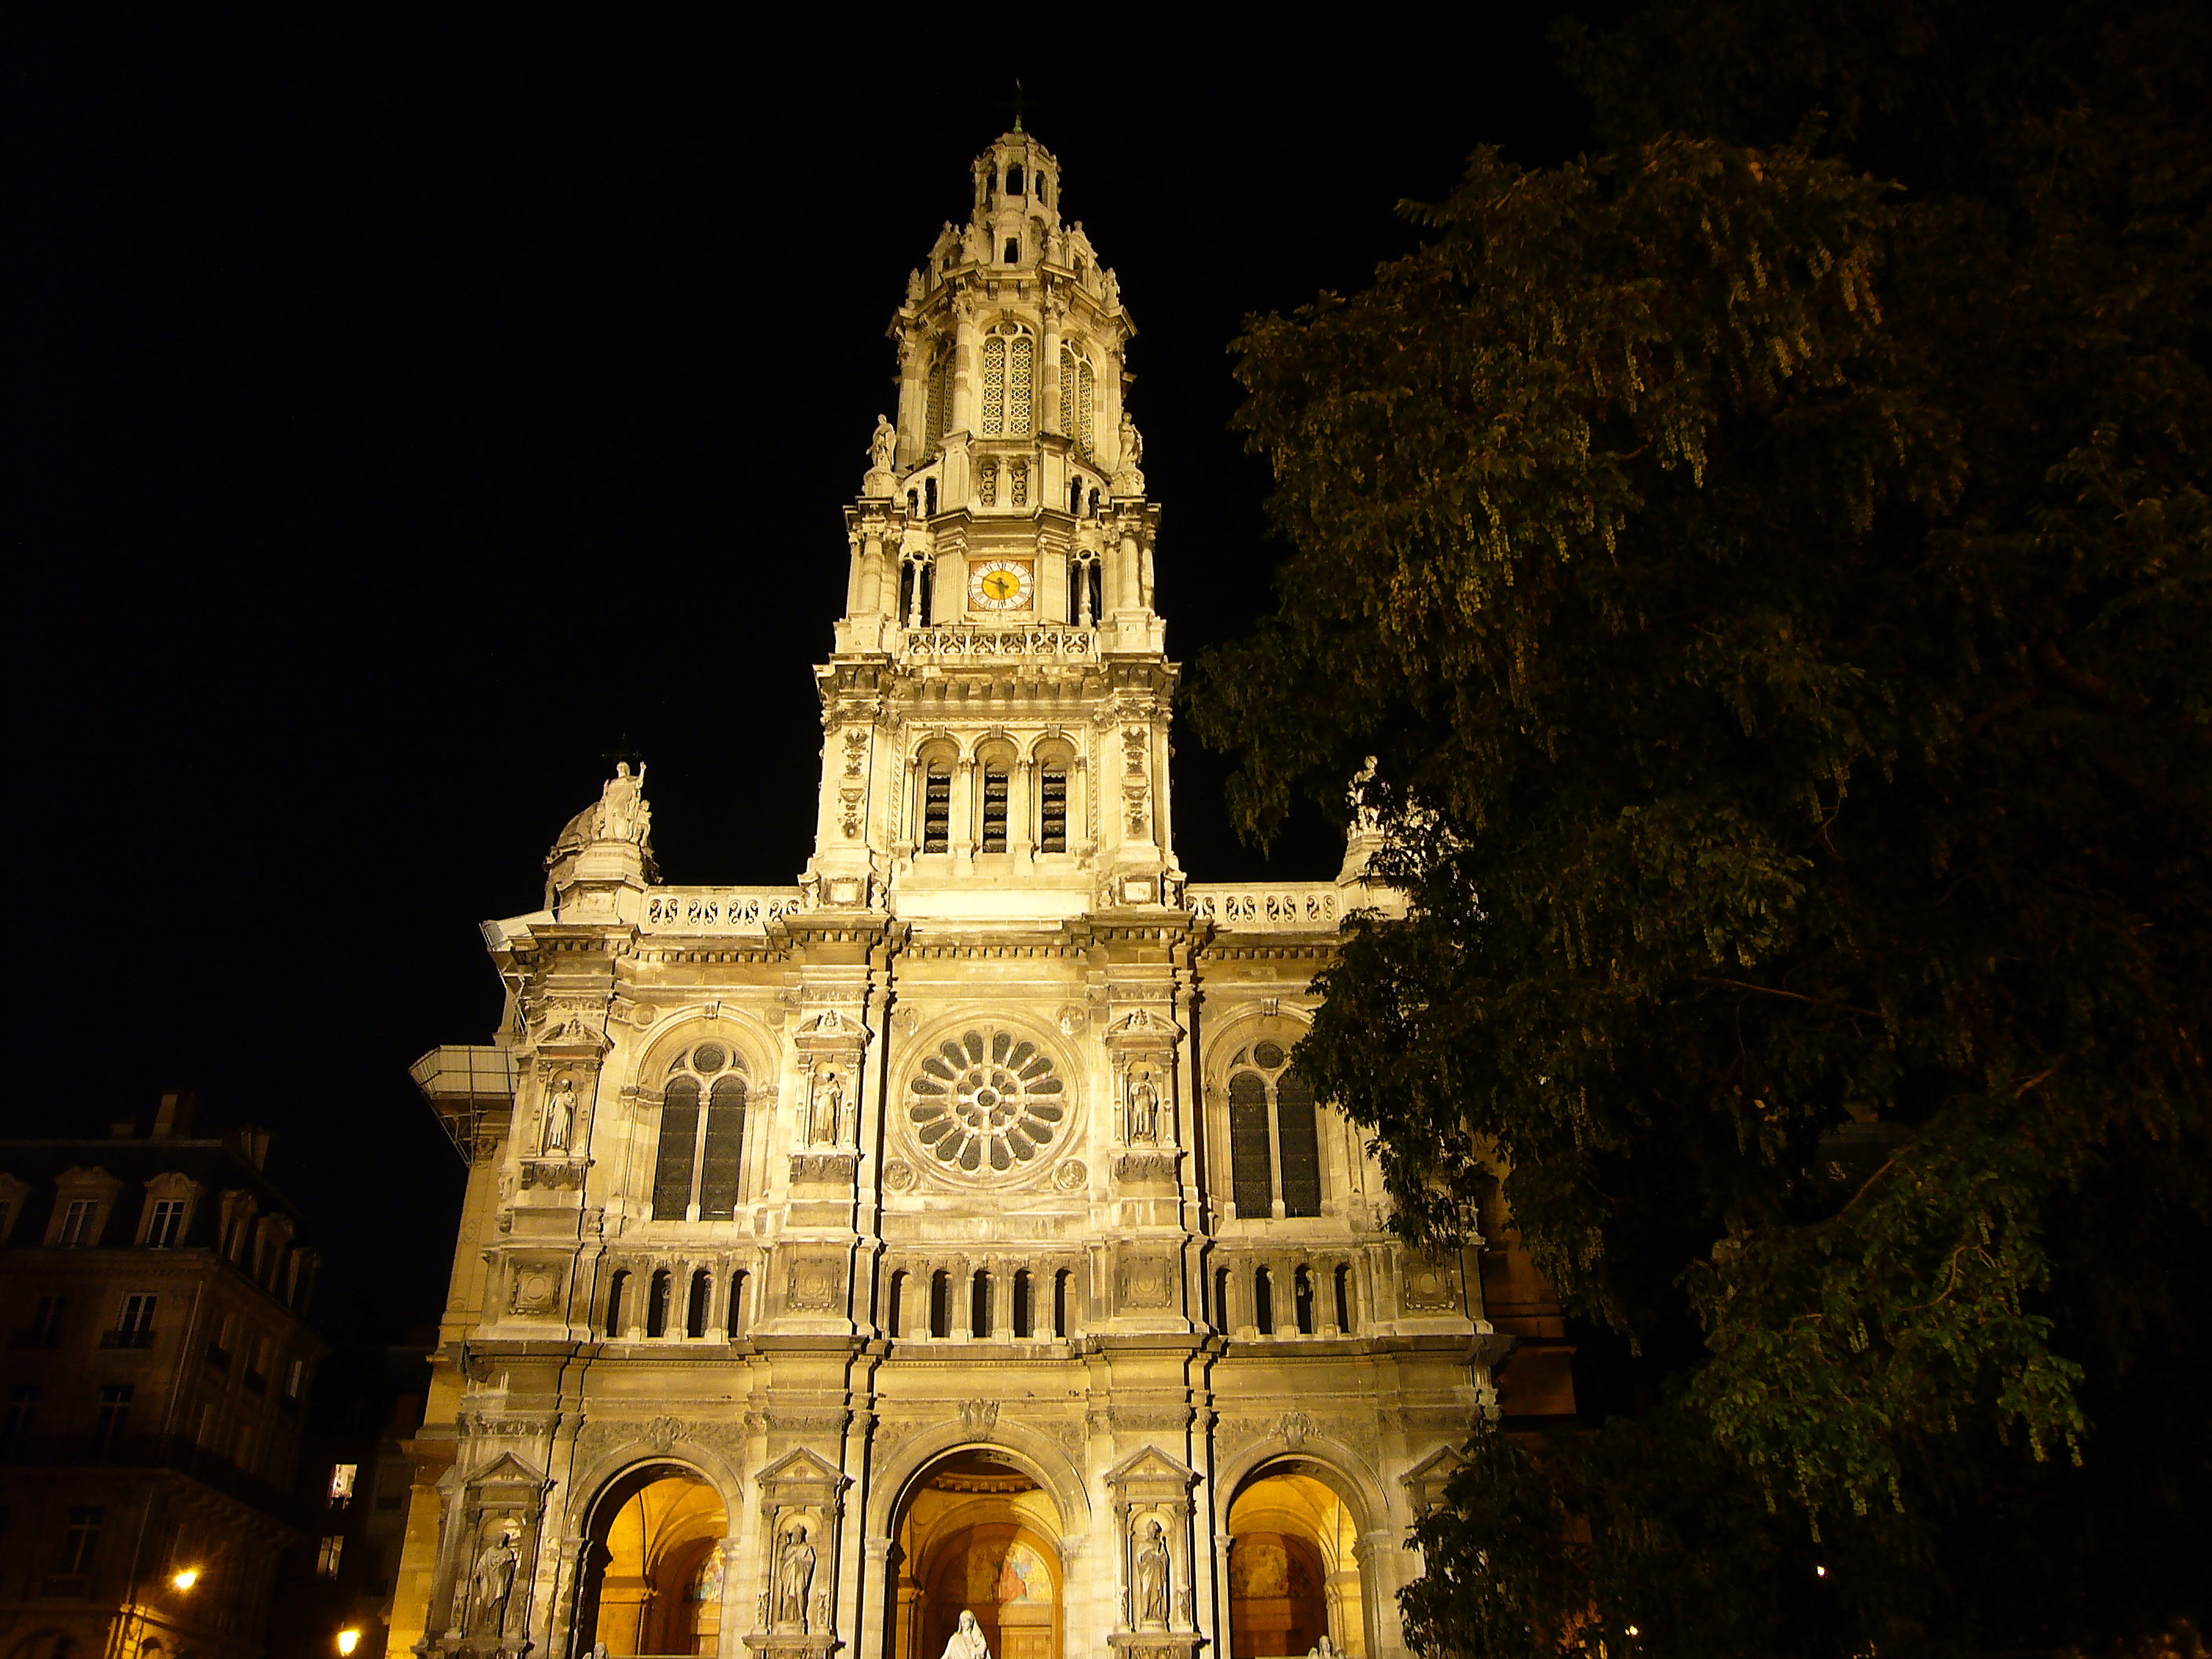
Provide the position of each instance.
(979, 1417)
(824, 1168)
(1137, 1168)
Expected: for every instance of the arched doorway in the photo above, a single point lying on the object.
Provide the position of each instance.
(1293, 1568)
(977, 1533)
(652, 1567)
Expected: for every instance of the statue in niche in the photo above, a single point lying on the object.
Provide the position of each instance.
(1144, 1110)
(883, 445)
(561, 1115)
(825, 1107)
(795, 1578)
(1152, 1575)
(491, 1583)
(967, 1642)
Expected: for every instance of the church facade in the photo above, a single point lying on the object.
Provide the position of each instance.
(939, 1254)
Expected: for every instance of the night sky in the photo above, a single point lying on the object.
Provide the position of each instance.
(406, 414)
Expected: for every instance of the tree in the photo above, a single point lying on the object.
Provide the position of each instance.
(1771, 561)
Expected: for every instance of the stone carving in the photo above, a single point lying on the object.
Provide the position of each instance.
(985, 1106)
(557, 1172)
(815, 1285)
(1072, 1020)
(1070, 1176)
(1143, 1168)
(825, 1106)
(491, 1583)
(661, 1433)
(898, 1176)
(536, 1290)
(967, 1642)
(1147, 1281)
(979, 1416)
(620, 813)
(1432, 1285)
(1144, 1107)
(1292, 1428)
(882, 444)
(795, 1579)
(1152, 1574)
(824, 1168)
(560, 1114)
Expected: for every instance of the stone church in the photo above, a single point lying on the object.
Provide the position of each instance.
(939, 1254)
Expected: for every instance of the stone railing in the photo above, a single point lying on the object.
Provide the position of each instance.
(716, 910)
(988, 642)
(1274, 907)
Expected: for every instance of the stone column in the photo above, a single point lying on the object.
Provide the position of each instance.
(729, 1641)
(1002, 1301)
(960, 1291)
(1021, 807)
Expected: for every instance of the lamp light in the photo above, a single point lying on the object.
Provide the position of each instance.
(349, 1639)
(185, 1577)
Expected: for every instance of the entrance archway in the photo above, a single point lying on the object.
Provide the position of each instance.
(1293, 1569)
(652, 1566)
(977, 1533)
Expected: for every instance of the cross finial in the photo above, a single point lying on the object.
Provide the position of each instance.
(1018, 105)
(622, 752)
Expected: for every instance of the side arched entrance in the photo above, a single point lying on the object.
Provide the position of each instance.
(651, 1579)
(977, 1532)
(1294, 1568)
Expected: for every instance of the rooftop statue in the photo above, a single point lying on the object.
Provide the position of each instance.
(620, 813)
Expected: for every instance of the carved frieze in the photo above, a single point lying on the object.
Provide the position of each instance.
(1146, 1280)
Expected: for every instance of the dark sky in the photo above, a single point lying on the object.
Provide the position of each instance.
(405, 412)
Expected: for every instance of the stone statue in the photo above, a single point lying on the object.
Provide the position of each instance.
(1323, 1648)
(619, 814)
(883, 445)
(1113, 287)
(1133, 442)
(1144, 1111)
(795, 1577)
(827, 1106)
(1152, 1575)
(491, 1585)
(967, 1642)
(914, 288)
(561, 1115)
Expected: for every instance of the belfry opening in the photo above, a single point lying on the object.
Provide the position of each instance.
(652, 1565)
(978, 1535)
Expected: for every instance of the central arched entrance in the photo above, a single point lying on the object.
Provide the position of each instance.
(652, 1566)
(978, 1534)
(1293, 1568)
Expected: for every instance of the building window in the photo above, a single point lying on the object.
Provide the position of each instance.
(1013, 250)
(327, 1560)
(1009, 381)
(134, 1326)
(1263, 1301)
(1085, 592)
(45, 1331)
(296, 1380)
(938, 402)
(114, 1416)
(895, 1306)
(1301, 1300)
(616, 1286)
(1021, 1302)
(1052, 806)
(1059, 1304)
(656, 1305)
(1014, 179)
(166, 1222)
(702, 1157)
(80, 1228)
(940, 1304)
(694, 1312)
(1344, 1300)
(81, 1537)
(342, 1476)
(22, 1412)
(994, 807)
(979, 1306)
(1077, 404)
(737, 1303)
(937, 807)
(1274, 1142)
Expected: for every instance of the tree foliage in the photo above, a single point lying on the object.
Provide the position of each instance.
(1771, 560)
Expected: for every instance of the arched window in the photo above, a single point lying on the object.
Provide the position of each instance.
(737, 1281)
(1302, 1299)
(1274, 1142)
(656, 1305)
(895, 1306)
(940, 1304)
(1078, 400)
(1059, 1304)
(1044, 188)
(1009, 381)
(695, 1310)
(1085, 589)
(1052, 803)
(1021, 1302)
(702, 1156)
(994, 817)
(616, 1286)
(979, 1305)
(1221, 1298)
(936, 826)
(1013, 250)
(1014, 179)
(937, 399)
(1263, 1301)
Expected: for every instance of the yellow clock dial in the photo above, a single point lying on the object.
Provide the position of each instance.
(1002, 585)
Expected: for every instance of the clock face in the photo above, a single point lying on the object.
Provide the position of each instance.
(1001, 583)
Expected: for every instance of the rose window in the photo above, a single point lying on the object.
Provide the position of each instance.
(986, 1102)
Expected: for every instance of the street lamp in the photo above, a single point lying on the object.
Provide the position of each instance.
(185, 1577)
(349, 1639)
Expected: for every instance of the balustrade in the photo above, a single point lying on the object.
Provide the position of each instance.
(717, 910)
(1284, 906)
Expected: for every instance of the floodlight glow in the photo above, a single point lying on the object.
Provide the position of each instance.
(348, 1640)
(185, 1577)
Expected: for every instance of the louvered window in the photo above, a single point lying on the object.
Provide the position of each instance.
(994, 809)
(1052, 815)
(1078, 389)
(937, 808)
(1009, 382)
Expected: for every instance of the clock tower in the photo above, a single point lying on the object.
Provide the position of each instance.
(996, 707)
(942, 1251)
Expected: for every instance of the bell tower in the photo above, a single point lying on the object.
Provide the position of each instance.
(996, 704)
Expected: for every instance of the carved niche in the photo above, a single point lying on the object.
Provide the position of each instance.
(802, 1497)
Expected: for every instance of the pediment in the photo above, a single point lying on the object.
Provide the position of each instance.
(800, 1469)
(1151, 1469)
(1426, 1482)
(507, 1470)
